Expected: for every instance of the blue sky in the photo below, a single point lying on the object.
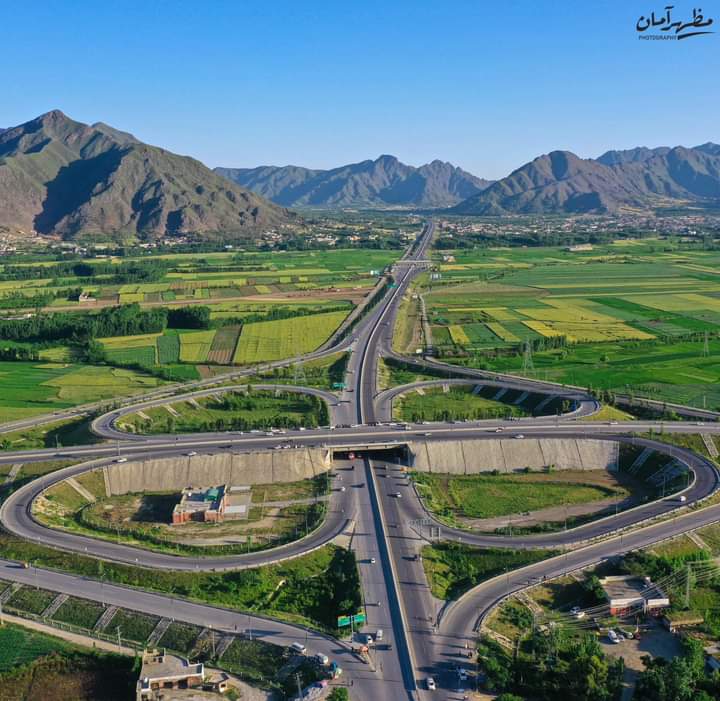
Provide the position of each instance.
(486, 85)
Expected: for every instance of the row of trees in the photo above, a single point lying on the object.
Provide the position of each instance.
(552, 665)
(125, 320)
(113, 273)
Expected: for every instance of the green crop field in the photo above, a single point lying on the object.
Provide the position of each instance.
(620, 317)
(19, 646)
(38, 388)
(285, 338)
(195, 346)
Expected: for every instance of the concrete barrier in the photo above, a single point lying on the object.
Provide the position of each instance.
(262, 467)
(509, 455)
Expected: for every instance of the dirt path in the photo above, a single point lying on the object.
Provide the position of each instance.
(77, 638)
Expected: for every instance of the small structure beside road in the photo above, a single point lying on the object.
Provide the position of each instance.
(628, 594)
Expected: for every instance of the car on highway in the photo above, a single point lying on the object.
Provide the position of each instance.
(430, 683)
(343, 488)
(372, 560)
(298, 648)
(368, 639)
(397, 495)
(121, 460)
(519, 435)
(191, 454)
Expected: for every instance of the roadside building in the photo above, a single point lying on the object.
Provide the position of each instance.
(162, 672)
(630, 594)
(212, 505)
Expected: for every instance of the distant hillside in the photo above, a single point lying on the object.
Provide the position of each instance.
(560, 182)
(384, 182)
(61, 177)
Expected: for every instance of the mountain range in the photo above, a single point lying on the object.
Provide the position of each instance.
(64, 178)
(384, 182)
(562, 183)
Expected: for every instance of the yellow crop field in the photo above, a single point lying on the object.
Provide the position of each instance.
(543, 329)
(195, 346)
(501, 332)
(587, 333)
(132, 297)
(112, 342)
(285, 338)
(501, 313)
(562, 311)
(665, 303)
(458, 335)
(263, 289)
(702, 302)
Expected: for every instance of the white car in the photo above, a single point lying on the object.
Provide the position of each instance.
(191, 454)
(612, 636)
(577, 612)
(121, 460)
(372, 560)
(430, 682)
(519, 435)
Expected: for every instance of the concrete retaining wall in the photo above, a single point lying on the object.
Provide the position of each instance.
(263, 467)
(509, 455)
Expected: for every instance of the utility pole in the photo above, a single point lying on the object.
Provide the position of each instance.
(118, 636)
(688, 574)
(297, 679)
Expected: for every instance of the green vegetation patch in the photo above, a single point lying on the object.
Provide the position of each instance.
(452, 568)
(28, 599)
(233, 410)
(255, 661)
(133, 625)
(180, 637)
(458, 403)
(488, 495)
(311, 590)
(79, 612)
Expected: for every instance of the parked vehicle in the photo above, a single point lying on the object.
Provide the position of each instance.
(298, 648)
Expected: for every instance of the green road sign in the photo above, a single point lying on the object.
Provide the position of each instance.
(338, 385)
(346, 620)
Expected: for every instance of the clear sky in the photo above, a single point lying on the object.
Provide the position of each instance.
(485, 84)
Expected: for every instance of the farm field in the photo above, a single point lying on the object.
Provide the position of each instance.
(274, 340)
(618, 317)
(210, 278)
(32, 388)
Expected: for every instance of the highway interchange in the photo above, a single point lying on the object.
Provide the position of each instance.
(422, 639)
